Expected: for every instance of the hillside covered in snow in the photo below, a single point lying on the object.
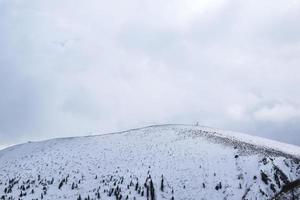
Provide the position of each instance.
(157, 162)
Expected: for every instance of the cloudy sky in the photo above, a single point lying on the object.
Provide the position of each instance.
(74, 67)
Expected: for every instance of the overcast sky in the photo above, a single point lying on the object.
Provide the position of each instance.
(74, 67)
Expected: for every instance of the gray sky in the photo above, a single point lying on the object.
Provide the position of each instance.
(74, 67)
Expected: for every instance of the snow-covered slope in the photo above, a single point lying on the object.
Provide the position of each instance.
(161, 162)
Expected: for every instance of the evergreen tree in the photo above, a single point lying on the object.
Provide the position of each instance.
(136, 186)
(162, 183)
(152, 192)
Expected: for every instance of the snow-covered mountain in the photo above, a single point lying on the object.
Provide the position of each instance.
(156, 162)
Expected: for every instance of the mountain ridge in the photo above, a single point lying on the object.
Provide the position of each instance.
(154, 162)
(295, 153)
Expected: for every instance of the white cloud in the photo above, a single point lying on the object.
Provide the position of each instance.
(236, 112)
(189, 10)
(277, 113)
